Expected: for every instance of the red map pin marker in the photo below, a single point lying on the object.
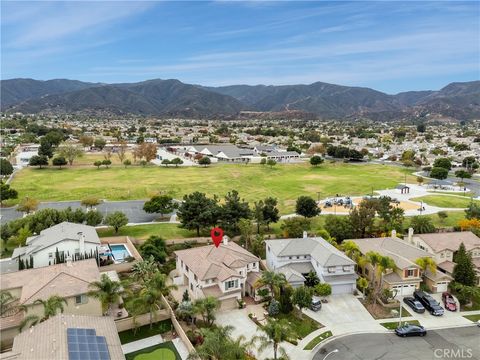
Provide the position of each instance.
(217, 236)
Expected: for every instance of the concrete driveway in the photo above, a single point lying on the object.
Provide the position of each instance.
(345, 314)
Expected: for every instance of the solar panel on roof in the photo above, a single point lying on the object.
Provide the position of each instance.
(84, 344)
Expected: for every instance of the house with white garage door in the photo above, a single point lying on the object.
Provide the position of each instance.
(295, 258)
(407, 276)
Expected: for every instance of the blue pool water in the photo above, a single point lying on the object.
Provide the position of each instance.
(119, 251)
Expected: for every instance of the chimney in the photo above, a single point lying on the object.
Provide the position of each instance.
(394, 233)
(305, 235)
(410, 235)
(69, 261)
(81, 238)
(225, 240)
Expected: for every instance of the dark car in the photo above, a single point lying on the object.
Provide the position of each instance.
(449, 301)
(414, 304)
(430, 304)
(410, 330)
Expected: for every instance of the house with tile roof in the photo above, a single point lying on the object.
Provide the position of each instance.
(69, 280)
(228, 272)
(407, 276)
(68, 238)
(295, 258)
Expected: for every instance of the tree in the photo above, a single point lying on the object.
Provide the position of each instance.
(143, 271)
(93, 218)
(86, 141)
(122, 151)
(154, 247)
(263, 161)
(302, 297)
(197, 212)
(59, 161)
(90, 202)
(311, 279)
(464, 270)
(207, 307)
(245, 226)
(46, 148)
(462, 174)
(271, 163)
(275, 332)
(274, 281)
(28, 205)
(38, 160)
(161, 204)
(339, 227)
(427, 263)
(316, 160)
(116, 219)
(258, 214)
(439, 173)
(465, 294)
(421, 128)
(107, 163)
(323, 289)
(295, 226)
(107, 291)
(147, 151)
(420, 180)
(362, 284)
(422, 224)
(177, 161)
(166, 162)
(127, 162)
(273, 308)
(149, 299)
(5, 167)
(442, 215)
(97, 163)
(351, 249)
(307, 207)
(233, 209)
(51, 307)
(270, 211)
(6, 192)
(185, 296)
(285, 299)
(443, 163)
(362, 219)
(70, 152)
(100, 143)
(472, 211)
(204, 161)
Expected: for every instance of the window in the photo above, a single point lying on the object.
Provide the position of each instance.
(195, 277)
(442, 255)
(81, 299)
(331, 269)
(410, 272)
(290, 257)
(186, 268)
(298, 257)
(231, 284)
(50, 255)
(346, 268)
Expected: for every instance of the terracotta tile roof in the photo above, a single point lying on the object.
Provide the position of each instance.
(450, 240)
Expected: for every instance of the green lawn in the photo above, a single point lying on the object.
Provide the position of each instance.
(163, 351)
(142, 332)
(165, 230)
(452, 220)
(315, 341)
(254, 182)
(300, 326)
(394, 325)
(473, 318)
(445, 201)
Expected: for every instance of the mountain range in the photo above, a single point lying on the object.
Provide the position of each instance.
(172, 98)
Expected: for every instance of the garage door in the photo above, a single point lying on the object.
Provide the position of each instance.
(442, 286)
(403, 290)
(229, 304)
(342, 289)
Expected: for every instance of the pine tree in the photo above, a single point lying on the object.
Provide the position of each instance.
(464, 271)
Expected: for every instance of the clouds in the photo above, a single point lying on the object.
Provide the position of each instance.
(392, 46)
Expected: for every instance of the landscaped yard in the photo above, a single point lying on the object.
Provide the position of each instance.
(473, 318)
(445, 201)
(315, 341)
(300, 326)
(145, 331)
(395, 324)
(163, 351)
(379, 311)
(254, 182)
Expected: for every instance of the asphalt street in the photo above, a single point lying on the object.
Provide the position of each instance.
(132, 208)
(454, 343)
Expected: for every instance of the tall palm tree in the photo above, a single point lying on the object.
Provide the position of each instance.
(144, 270)
(51, 306)
(107, 291)
(158, 281)
(275, 332)
(385, 263)
(373, 258)
(427, 263)
(148, 299)
(206, 307)
(350, 249)
(274, 281)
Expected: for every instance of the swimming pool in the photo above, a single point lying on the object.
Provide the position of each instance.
(119, 252)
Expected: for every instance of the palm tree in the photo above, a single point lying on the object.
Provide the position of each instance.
(362, 283)
(206, 307)
(427, 263)
(143, 270)
(385, 263)
(51, 306)
(275, 332)
(158, 281)
(350, 249)
(274, 281)
(148, 299)
(373, 258)
(6, 300)
(107, 291)
(465, 293)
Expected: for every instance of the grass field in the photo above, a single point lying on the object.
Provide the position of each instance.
(166, 231)
(445, 201)
(394, 325)
(254, 182)
(315, 341)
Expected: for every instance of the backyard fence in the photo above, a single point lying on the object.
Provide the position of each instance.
(144, 319)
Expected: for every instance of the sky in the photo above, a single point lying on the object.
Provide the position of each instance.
(390, 46)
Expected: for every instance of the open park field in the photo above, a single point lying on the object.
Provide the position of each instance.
(445, 201)
(253, 182)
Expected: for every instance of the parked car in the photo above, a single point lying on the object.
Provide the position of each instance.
(449, 301)
(316, 303)
(410, 330)
(414, 304)
(430, 304)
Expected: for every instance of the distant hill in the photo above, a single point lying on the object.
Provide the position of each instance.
(174, 98)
